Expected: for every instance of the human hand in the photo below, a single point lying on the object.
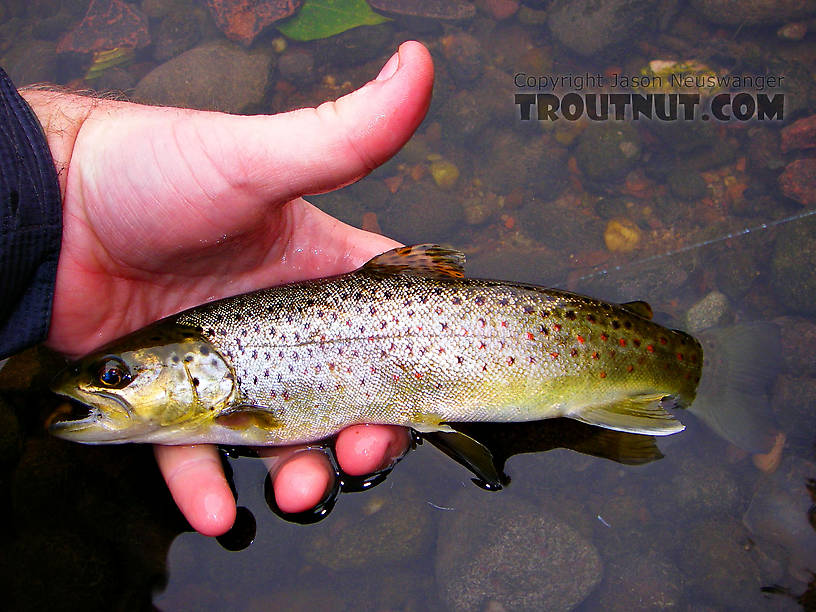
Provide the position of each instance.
(167, 208)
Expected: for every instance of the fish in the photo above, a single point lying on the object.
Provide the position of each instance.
(406, 339)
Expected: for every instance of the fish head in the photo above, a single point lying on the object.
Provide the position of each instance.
(155, 385)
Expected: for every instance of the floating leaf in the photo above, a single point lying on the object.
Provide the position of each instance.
(324, 18)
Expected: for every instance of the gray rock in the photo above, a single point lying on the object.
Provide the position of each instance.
(497, 552)
(707, 312)
(719, 567)
(640, 582)
(753, 12)
(32, 61)
(794, 266)
(589, 26)
(391, 526)
(213, 76)
(778, 515)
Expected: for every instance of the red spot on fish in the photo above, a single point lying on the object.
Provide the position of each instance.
(574, 352)
(595, 355)
(630, 368)
(482, 346)
(679, 356)
(603, 374)
(417, 375)
(557, 327)
(396, 377)
(604, 337)
(622, 342)
(662, 340)
(504, 323)
(484, 367)
(650, 348)
(511, 360)
(636, 342)
(580, 339)
(441, 350)
(554, 355)
(530, 336)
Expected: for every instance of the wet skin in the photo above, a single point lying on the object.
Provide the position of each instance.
(167, 208)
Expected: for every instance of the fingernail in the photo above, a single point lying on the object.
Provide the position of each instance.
(389, 69)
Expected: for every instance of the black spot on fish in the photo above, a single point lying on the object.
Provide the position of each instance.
(204, 350)
(188, 359)
(590, 318)
(616, 324)
(528, 309)
(457, 301)
(627, 324)
(570, 314)
(479, 300)
(175, 358)
(214, 363)
(196, 382)
(504, 301)
(239, 316)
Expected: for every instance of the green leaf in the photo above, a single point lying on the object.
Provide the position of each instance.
(324, 18)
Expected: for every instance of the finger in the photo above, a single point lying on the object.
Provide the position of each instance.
(196, 480)
(336, 143)
(364, 449)
(301, 478)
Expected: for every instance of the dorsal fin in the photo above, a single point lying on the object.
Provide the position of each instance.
(429, 260)
(640, 308)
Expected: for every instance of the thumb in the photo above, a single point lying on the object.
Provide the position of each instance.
(333, 144)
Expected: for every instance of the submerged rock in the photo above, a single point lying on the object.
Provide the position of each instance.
(798, 181)
(753, 12)
(718, 565)
(590, 26)
(641, 582)
(779, 513)
(607, 152)
(227, 79)
(498, 552)
(794, 265)
(391, 526)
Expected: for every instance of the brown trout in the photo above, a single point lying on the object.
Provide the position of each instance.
(404, 340)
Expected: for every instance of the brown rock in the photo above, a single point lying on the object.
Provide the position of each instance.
(798, 181)
(800, 134)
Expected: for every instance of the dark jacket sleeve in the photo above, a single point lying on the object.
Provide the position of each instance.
(30, 224)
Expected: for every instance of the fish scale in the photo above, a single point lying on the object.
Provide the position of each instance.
(407, 340)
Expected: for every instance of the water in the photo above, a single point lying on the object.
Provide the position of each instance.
(703, 527)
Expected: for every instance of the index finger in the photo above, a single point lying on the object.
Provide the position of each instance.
(197, 483)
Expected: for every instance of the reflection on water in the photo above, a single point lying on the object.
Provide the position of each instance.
(621, 211)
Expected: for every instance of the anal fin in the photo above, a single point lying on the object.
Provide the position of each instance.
(643, 414)
(470, 453)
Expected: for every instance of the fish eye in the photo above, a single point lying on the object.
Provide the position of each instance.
(113, 373)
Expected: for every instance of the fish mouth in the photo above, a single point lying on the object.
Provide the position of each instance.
(71, 415)
(99, 420)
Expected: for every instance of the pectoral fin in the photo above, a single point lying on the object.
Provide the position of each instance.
(470, 453)
(642, 414)
(245, 418)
